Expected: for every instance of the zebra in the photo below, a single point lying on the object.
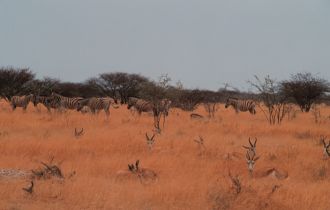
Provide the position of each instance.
(59, 101)
(146, 106)
(164, 106)
(46, 101)
(241, 105)
(21, 101)
(140, 105)
(96, 104)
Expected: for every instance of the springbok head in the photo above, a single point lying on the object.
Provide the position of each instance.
(200, 141)
(77, 133)
(150, 140)
(252, 146)
(134, 168)
(250, 160)
(326, 147)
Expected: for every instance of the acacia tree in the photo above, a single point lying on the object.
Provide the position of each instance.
(12, 81)
(190, 99)
(118, 84)
(41, 87)
(274, 102)
(305, 89)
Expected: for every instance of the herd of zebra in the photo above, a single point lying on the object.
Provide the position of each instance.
(84, 105)
(95, 104)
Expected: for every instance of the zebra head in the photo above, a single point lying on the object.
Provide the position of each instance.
(227, 103)
(131, 102)
(230, 101)
(81, 103)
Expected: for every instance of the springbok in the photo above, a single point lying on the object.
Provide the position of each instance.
(77, 133)
(326, 147)
(29, 189)
(250, 160)
(150, 141)
(134, 171)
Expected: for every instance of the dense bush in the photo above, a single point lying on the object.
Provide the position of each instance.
(13, 81)
(305, 89)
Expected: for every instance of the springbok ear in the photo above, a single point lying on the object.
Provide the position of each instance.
(137, 164)
(324, 144)
(147, 136)
(255, 159)
(245, 147)
(250, 142)
(153, 136)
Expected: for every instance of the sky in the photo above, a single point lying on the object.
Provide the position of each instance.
(202, 43)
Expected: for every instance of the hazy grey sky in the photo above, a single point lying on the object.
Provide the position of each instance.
(203, 43)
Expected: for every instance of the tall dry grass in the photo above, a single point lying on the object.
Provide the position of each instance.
(188, 177)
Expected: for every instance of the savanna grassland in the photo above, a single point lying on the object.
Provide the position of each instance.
(189, 176)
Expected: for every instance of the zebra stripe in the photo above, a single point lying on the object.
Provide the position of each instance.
(241, 105)
(146, 106)
(140, 105)
(60, 101)
(21, 101)
(96, 104)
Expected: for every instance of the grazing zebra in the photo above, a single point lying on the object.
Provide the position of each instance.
(140, 105)
(146, 106)
(60, 101)
(46, 101)
(241, 105)
(21, 101)
(96, 104)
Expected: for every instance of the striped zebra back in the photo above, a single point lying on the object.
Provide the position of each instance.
(65, 102)
(140, 105)
(131, 102)
(241, 105)
(98, 104)
(143, 105)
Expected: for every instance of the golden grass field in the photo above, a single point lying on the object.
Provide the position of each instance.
(188, 176)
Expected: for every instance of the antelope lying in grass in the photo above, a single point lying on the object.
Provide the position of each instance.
(29, 189)
(200, 141)
(77, 133)
(201, 145)
(134, 171)
(326, 147)
(196, 116)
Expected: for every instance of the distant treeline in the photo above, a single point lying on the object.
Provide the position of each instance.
(120, 85)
